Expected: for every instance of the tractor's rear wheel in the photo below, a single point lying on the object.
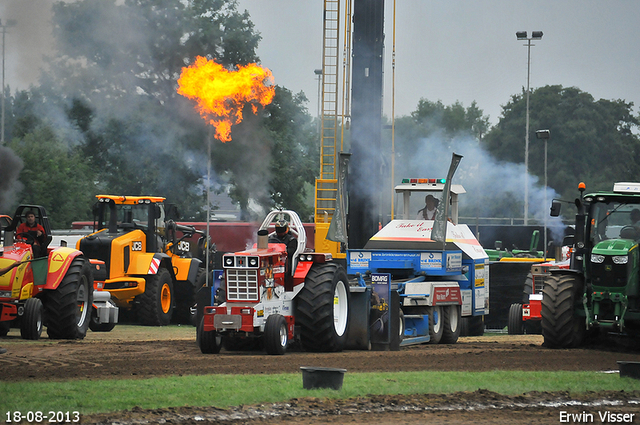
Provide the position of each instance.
(451, 321)
(561, 296)
(31, 323)
(67, 309)
(155, 305)
(209, 342)
(514, 324)
(276, 335)
(323, 308)
(528, 289)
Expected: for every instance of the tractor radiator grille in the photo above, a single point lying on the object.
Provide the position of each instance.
(242, 284)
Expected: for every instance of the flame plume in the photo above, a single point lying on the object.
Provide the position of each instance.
(221, 94)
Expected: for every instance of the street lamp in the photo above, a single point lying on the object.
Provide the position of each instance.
(9, 23)
(544, 135)
(522, 35)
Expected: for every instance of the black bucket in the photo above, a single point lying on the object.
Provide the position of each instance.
(322, 377)
(629, 369)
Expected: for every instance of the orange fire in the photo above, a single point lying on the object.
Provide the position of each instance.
(221, 94)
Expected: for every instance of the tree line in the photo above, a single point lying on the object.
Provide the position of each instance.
(105, 117)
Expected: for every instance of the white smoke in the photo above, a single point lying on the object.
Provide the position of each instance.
(493, 188)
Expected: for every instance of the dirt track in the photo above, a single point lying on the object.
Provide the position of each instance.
(141, 352)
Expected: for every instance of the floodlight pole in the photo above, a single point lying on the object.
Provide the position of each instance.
(522, 35)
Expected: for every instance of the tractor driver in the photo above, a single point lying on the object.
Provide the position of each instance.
(32, 228)
(430, 208)
(283, 233)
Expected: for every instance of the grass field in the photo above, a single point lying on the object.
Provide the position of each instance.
(94, 396)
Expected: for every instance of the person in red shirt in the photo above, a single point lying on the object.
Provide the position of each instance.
(32, 228)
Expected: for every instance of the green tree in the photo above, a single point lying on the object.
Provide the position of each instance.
(591, 140)
(54, 175)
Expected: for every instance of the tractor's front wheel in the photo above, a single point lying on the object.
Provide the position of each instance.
(514, 324)
(209, 342)
(155, 305)
(323, 308)
(561, 296)
(276, 335)
(67, 309)
(451, 321)
(31, 323)
(5, 327)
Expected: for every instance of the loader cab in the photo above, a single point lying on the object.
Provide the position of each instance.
(412, 193)
(118, 215)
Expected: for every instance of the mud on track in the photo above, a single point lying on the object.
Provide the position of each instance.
(142, 352)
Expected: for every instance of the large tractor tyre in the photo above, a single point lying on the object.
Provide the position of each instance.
(95, 326)
(67, 309)
(31, 323)
(451, 322)
(275, 335)
(323, 308)
(5, 327)
(514, 324)
(209, 342)
(528, 289)
(436, 329)
(561, 327)
(185, 312)
(472, 326)
(155, 305)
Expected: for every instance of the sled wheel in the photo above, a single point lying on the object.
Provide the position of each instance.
(451, 321)
(435, 324)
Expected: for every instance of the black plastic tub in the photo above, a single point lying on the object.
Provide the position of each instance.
(629, 369)
(322, 377)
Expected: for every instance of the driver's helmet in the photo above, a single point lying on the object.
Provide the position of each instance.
(281, 227)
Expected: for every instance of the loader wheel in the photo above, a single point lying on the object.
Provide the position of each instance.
(472, 326)
(323, 308)
(155, 304)
(561, 298)
(515, 325)
(209, 342)
(31, 323)
(68, 308)
(95, 326)
(186, 299)
(276, 335)
(5, 327)
(435, 324)
(451, 321)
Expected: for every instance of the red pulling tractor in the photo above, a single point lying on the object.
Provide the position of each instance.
(277, 292)
(41, 285)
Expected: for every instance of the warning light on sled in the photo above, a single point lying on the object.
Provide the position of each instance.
(424, 181)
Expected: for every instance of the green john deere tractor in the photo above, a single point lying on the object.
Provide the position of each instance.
(599, 295)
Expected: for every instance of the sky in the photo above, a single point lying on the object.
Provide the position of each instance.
(454, 50)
